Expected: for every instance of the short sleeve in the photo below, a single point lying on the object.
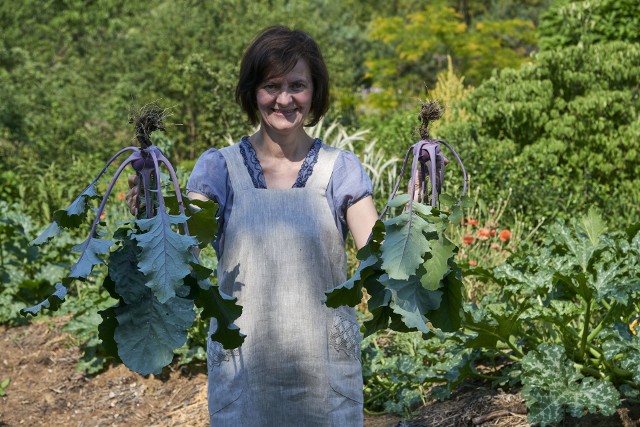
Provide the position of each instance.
(349, 184)
(210, 178)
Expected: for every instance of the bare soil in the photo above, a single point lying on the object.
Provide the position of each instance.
(47, 390)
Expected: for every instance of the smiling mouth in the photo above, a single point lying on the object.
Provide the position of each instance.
(284, 111)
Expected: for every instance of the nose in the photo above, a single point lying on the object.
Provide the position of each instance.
(284, 97)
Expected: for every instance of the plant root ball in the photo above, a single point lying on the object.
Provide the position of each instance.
(429, 112)
(147, 120)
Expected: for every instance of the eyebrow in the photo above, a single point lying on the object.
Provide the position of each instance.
(278, 80)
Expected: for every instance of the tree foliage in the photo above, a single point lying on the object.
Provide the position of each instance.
(570, 23)
(71, 71)
(414, 47)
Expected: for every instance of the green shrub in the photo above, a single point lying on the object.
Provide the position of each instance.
(562, 133)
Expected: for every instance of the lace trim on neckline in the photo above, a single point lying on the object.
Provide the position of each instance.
(254, 168)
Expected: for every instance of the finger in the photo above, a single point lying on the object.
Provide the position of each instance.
(132, 180)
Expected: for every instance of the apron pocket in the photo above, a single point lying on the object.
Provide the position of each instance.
(227, 376)
(345, 370)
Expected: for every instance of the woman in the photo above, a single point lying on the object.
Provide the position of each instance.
(286, 203)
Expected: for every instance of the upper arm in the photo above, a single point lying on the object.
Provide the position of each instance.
(351, 189)
(209, 178)
(361, 216)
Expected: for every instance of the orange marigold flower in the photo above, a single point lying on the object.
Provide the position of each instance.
(633, 325)
(492, 232)
(472, 263)
(483, 233)
(103, 215)
(505, 235)
(121, 196)
(472, 221)
(468, 239)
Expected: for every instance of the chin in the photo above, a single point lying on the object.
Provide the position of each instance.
(279, 126)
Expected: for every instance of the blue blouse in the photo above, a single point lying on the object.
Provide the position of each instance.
(349, 182)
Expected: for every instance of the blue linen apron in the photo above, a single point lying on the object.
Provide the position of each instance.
(300, 362)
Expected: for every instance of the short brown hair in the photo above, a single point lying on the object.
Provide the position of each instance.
(275, 52)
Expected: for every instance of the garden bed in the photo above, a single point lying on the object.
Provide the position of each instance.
(46, 389)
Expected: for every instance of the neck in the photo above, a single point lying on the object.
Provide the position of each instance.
(292, 146)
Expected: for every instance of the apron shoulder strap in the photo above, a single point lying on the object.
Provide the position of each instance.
(238, 173)
(323, 169)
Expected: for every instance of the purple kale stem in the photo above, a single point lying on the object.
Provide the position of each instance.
(464, 171)
(176, 187)
(412, 181)
(414, 173)
(132, 157)
(423, 171)
(152, 150)
(432, 174)
(395, 188)
(145, 185)
(115, 156)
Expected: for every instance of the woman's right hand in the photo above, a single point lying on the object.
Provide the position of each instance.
(133, 198)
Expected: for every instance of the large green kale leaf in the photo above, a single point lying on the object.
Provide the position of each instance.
(405, 244)
(149, 331)
(215, 303)
(74, 214)
(408, 270)
(164, 258)
(90, 251)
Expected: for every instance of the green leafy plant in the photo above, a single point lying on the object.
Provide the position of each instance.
(3, 386)
(153, 272)
(403, 371)
(564, 314)
(407, 267)
(486, 237)
(569, 23)
(27, 275)
(408, 271)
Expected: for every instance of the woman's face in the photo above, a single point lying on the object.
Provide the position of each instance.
(284, 102)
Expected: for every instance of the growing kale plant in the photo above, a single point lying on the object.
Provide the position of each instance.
(152, 266)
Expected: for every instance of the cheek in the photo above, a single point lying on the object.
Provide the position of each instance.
(262, 98)
(307, 99)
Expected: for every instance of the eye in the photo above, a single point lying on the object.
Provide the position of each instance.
(298, 86)
(270, 87)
